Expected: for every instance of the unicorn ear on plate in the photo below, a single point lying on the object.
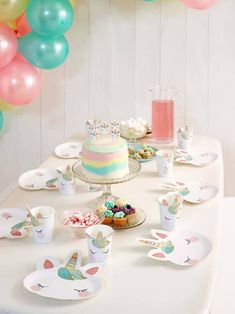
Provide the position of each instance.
(47, 262)
(157, 254)
(92, 269)
(159, 235)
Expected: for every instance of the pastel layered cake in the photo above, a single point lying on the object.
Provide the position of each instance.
(105, 157)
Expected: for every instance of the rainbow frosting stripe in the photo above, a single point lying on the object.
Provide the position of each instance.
(105, 157)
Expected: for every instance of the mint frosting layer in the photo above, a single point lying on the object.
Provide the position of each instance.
(105, 170)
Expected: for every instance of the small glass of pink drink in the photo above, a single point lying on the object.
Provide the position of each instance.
(163, 113)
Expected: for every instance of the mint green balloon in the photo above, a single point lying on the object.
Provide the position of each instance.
(1, 120)
(50, 17)
(42, 51)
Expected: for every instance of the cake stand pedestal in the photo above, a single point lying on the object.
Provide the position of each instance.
(134, 169)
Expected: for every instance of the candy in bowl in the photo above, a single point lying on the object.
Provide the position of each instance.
(76, 221)
(133, 129)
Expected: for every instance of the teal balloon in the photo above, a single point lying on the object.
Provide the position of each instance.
(50, 17)
(42, 51)
(1, 120)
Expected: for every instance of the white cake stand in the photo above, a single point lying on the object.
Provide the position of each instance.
(134, 169)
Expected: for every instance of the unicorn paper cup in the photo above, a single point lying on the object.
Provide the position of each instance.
(66, 180)
(99, 239)
(43, 232)
(165, 163)
(184, 137)
(170, 206)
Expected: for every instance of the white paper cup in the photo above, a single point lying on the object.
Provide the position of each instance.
(184, 139)
(164, 161)
(99, 240)
(184, 143)
(65, 187)
(170, 212)
(44, 232)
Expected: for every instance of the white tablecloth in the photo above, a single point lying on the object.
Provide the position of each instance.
(133, 283)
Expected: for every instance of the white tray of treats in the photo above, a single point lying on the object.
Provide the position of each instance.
(119, 214)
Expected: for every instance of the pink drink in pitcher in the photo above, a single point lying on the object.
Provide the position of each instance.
(163, 113)
(163, 120)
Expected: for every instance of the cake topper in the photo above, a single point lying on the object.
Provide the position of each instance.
(104, 128)
(93, 129)
(96, 128)
(115, 129)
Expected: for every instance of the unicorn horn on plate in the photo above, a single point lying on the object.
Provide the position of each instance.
(71, 264)
(69, 272)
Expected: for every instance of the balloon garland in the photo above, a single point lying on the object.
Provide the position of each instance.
(1, 120)
(195, 4)
(32, 36)
(199, 4)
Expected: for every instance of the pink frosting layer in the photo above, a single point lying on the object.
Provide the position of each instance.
(86, 154)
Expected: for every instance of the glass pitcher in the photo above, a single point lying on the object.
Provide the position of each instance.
(163, 113)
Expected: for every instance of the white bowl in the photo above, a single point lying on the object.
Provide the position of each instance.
(77, 231)
(132, 133)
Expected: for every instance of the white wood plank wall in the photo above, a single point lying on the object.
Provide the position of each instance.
(118, 50)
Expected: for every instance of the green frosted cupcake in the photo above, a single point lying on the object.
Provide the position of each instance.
(119, 219)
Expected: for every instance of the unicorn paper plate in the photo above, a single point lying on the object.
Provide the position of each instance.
(195, 159)
(69, 150)
(179, 247)
(9, 217)
(66, 281)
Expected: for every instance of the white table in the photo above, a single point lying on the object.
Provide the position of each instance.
(223, 299)
(133, 283)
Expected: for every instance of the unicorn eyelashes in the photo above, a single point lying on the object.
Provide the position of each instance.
(104, 252)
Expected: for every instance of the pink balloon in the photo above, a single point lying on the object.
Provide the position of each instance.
(22, 25)
(8, 45)
(199, 4)
(20, 56)
(19, 82)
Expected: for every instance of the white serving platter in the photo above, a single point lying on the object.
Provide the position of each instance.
(195, 159)
(39, 179)
(69, 150)
(179, 247)
(66, 281)
(10, 217)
